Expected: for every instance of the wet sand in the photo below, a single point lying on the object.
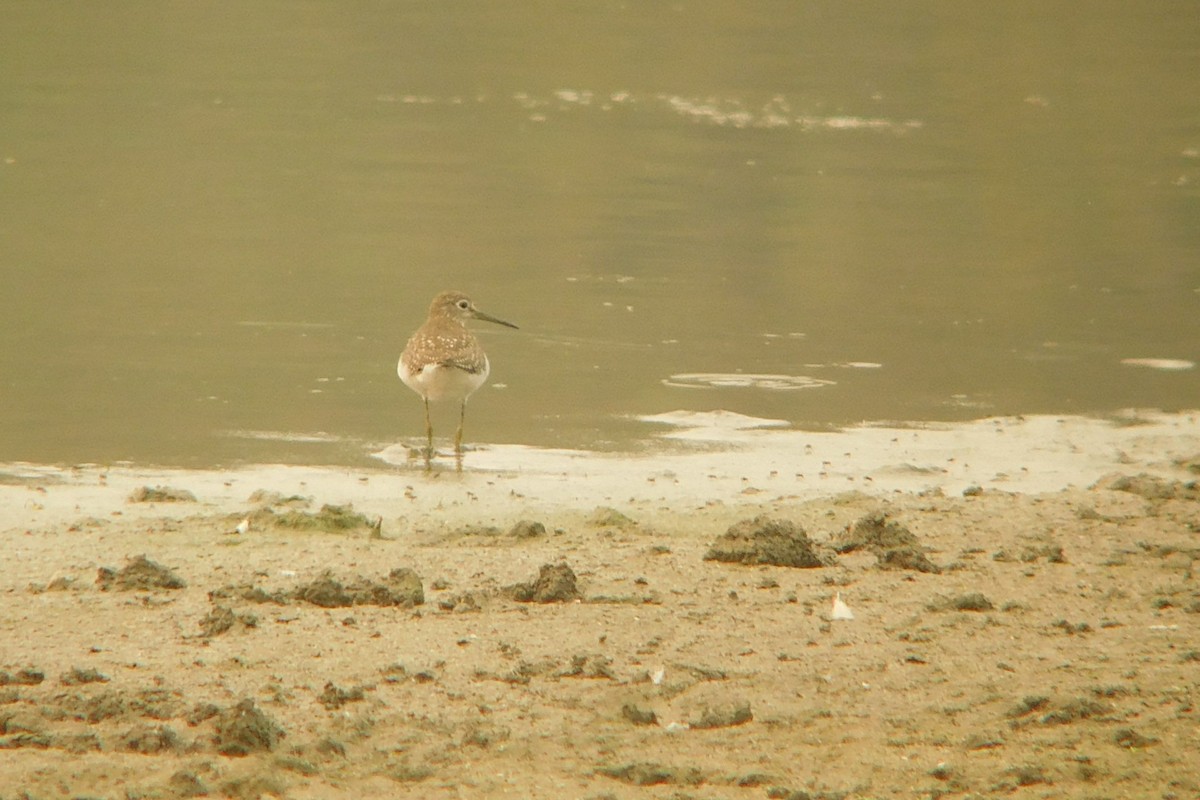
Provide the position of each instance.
(1026, 619)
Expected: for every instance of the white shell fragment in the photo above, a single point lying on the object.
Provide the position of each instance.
(840, 610)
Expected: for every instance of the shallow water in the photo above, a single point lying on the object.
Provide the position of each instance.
(219, 223)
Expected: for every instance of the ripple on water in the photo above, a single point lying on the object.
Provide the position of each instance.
(721, 111)
(1167, 364)
(741, 380)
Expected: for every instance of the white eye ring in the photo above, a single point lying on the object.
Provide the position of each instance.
(464, 304)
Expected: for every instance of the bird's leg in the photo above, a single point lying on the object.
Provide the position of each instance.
(428, 436)
(462, 419)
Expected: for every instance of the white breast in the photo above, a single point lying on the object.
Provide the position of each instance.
(436, 383)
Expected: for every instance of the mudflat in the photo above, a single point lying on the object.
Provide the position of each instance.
(315, 633)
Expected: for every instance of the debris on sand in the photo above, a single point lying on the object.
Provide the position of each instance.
(249, 592)
(244, 729)
(527, 529)
(161, 494)
(606, 517)
(1029, 554)
(1150, 487)
(28, 676)
(16, 741)
(894, 545)
(138, 574)
(523, 529)
(638, 715)
(187, 784)
(264, 498)
(907, 558)
(155, 703)
(79, 676)
(330, 519)
(222, 619)
(1130, 739)
(202, 712)
(589, 666)
(1071, 628)
(555, 583)
(1028, 774)
(652, 774)
(725, 716)
(402, 587)
(147, 739)
(975, 601)
(334, 697)
(1064, 713)
(460, 603)
(763, 540)
(875, 532)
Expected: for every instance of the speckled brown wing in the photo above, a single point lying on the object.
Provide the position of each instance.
(446, 345)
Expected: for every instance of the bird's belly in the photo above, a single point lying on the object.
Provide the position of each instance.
(436, 382)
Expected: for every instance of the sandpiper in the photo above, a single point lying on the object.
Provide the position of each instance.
(444, 361)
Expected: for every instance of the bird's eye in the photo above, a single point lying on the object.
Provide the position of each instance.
(464, 305)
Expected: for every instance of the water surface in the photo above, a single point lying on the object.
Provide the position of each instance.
(220, 222)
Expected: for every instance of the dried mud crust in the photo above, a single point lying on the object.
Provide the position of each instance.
(1053, 650)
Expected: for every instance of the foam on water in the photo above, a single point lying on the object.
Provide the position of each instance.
(742, 380)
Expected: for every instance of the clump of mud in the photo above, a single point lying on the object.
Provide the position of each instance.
(975, 601)
(27, 676)
(401, 587)
(907, 558)
(244, 729)
(154, 703)
(187, 784)
(723, 716)
(161, 494)
(763, 540)
(1150, 487)
(265, 498)
(249, 592)
(1053, 553)
(645, 773)
(334, 697)
(523, 529)
(527, 529)
(894, 545)
(606, 517)
(147, 739)
(223, 618)
(638, 715)
(463, 603)
(555, 583)
(330, 519)
(591, 665)
(78, 676)
(1130, 739)
(1040, 710)
(139, 573)
(875, 532)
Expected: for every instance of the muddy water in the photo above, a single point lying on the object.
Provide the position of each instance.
(219, 222)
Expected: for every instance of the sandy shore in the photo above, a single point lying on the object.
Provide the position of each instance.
(1026, 620)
